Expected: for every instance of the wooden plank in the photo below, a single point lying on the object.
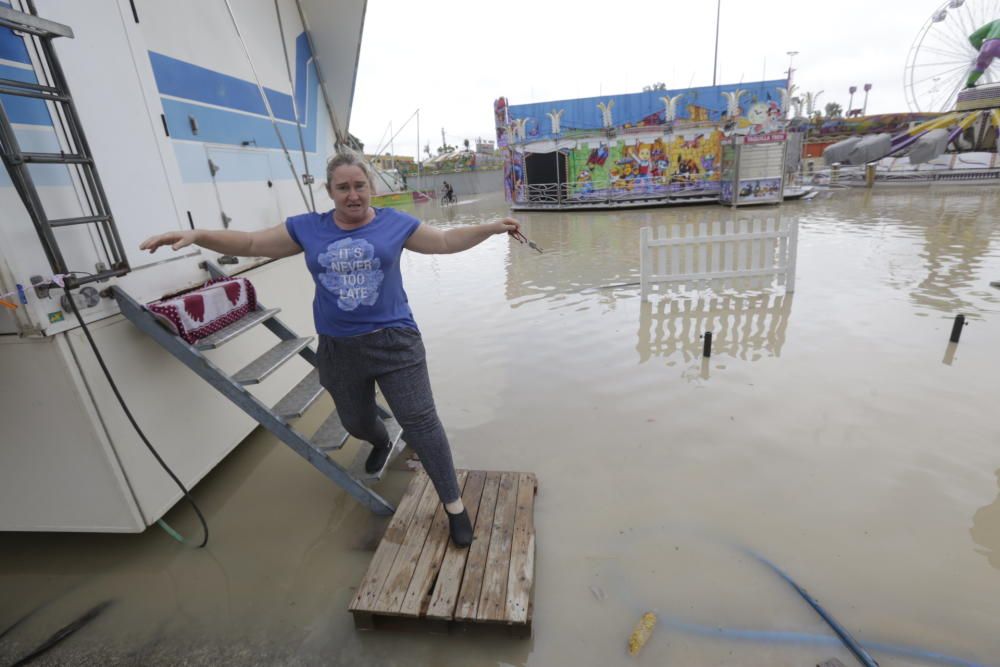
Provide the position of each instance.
(385, 554)
(418, 594)
(493, 598)
(398, 580)
(453, 565)
(472, 581)
(522, 552)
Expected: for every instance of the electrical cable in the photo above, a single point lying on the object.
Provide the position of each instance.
(267, 104)
(138, 429)
(306, 177)
(64, 632)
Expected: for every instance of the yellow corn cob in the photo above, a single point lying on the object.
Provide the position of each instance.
(643, 631)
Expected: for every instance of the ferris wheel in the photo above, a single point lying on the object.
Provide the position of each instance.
(941, 56)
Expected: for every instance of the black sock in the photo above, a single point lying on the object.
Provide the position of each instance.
(376, 460)
(460, 528)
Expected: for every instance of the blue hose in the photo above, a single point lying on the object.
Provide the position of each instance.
(859, 652)
(813, 640)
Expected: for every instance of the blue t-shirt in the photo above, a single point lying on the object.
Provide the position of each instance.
(359, 287)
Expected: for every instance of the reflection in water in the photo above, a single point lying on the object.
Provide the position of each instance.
(985, 529)
(743, 327)
(956, 227)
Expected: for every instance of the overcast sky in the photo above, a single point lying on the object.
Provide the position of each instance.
(452, 58)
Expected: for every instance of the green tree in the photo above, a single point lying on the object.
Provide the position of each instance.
(833, 110)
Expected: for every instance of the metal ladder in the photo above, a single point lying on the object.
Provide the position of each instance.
(331, 435)
(76, 156)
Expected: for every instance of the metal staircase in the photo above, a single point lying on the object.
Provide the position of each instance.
(331, 435)
(77, 155)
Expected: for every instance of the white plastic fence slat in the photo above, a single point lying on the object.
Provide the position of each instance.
(644, 259)
(675, 252)
(690, 234)
(754, 253)
(716, 263)
(782, 259)
(703, 265)
(741, 248)
(793, 244)
(727, 255)
(769, 243)
(661, 262)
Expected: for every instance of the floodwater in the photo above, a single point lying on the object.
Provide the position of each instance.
(834, 432)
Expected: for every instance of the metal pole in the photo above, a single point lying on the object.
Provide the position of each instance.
(715, 63)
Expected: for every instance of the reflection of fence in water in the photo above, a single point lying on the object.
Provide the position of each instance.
(720, 254)
(742, 327)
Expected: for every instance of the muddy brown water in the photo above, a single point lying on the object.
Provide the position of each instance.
(834, 432)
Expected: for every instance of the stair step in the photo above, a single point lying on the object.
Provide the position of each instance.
(223, 336)
(331, 434)
(270, 361)
(357, 468)
(302, 395)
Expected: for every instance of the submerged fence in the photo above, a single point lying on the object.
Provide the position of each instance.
(721, 255)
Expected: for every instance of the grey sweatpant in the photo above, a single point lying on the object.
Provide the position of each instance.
(349, 367)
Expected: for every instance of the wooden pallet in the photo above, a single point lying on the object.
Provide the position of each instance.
(418, 579)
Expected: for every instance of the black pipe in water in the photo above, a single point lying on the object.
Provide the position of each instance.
(956, 329)
(707, 350)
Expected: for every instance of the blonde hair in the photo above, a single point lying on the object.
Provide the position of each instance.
(348, 159)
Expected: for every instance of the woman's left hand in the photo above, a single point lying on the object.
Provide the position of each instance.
(507, 225)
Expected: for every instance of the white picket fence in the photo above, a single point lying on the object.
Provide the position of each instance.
(742, 254)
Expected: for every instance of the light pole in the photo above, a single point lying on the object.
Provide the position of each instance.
(850, 103)
(715, 63)
(791, 55)
(864, 110)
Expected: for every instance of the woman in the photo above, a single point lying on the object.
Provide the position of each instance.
(366, 329)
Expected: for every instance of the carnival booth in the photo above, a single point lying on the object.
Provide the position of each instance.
(651, 148)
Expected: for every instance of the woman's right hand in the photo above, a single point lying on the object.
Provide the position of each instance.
(176, 240)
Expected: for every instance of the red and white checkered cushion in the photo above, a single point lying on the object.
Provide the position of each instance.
(200, 313)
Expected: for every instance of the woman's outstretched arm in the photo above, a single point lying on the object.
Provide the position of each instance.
(274, 242)
(433, 241)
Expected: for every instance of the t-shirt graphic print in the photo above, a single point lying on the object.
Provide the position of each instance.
(353, 272)
(359, 284)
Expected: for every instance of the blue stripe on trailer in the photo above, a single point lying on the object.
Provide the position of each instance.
(191, 82)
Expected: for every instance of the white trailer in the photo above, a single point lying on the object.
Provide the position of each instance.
(169, 95)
